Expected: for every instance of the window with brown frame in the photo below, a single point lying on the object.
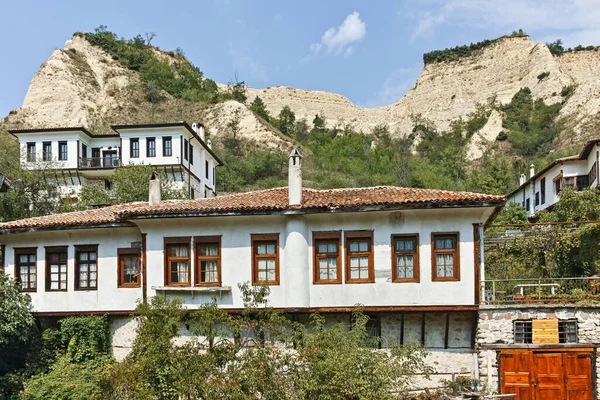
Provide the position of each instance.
(405, 258)
(26, 268)
(56, 268)
(265, 259)
(129, 267)
(445, 257)
(208, 260)
(86, 267)
(359, 257)
(177, 261)
(327, 258)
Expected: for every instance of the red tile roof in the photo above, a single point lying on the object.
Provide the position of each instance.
(266, 201)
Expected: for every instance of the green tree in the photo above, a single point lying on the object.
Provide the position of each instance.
(259, 108)
(319, 123)
(286, 119)
(556, 47)
(131, 184)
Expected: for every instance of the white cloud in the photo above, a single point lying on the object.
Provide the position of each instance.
(395, 86)
(340, 39)
(576, 19)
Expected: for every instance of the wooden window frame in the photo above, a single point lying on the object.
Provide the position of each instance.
(185, 149)
(321, 237)
(46, 155)
(264, 238)
(168, 139)
(202, 240)
(148, 141)
(543, 190)
(56, 250)
(131, 148)
(456, 251)
(592, 175)
(84, 249)
(128, 251)
(191, 146)
(25, 251)
(31, 156)
(177, 241)
(206, 167)
(60, 153)
(351, 236)
(416, 260)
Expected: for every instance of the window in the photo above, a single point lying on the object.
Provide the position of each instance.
(167, 146)
(47, 151)
(582, 182)
(185, 149)
(373, 327)
(445, 257)
(177, 252)
(191, 154)
(592, 174)
(134, 148)
(523, 331)
(150, 147)
(62, 151)
(569, 183)
(557, 186)
(567, 331)
(129, 267)
(31, 152)
(86, 267)
(26, 268)
(537, 198)
(83, 151)
(208, 265)
(265, 259)
(527, 204)
(359, 257)
(543, 190)
(206, 168)
(56, 268)
(214, 181)
(327, 262)
(405, 258)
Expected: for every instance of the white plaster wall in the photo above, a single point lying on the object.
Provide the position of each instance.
(108, 297)
(53, 137)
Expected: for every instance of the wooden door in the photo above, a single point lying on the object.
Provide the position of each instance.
(548, 379)
(515, 367)
(578, 375)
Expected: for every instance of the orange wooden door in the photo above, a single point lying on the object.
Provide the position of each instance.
(578, 376)
(515, 367)
(548, 378)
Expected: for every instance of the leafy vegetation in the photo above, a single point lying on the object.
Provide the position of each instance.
(557, 48)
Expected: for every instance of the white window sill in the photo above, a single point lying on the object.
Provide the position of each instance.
(193, 289)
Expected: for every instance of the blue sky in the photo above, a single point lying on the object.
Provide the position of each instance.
(369, 51)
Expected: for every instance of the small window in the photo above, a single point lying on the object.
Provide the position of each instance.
(265, 259)
(557, 186)
(569, 183)
(134, 148)
(185, 149)
(31, 152)
(537, 198)
(167, 146)
(359, 257)
(178, 261)
(62, 151)
(445, 254)
(543, 190)
(327, 260)
(523, 332)
(150, 147)
(192, 194)
(582, 182)
(527, 204)
(47, 151)
(405, 258)
(129, 267)
(373, 327)
(26, 268)
(56, 268)
(592, 174)
(567, 331)
(208, 265)
(83, 151)
(214, 181)
(86, 267)
(191, 154)
(206, 168)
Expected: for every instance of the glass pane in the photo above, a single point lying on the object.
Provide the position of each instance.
(262, 264)
(262, 249)
(323, 274)
(354, 274)
(440, 271)
(93, 256)
(271, 264)
(322, 247)
(322, 263)
(92, 267)
(92, 276)
(449, 270)
(401, 272)
(53, 269)
(62, 256)
(410, 272)
(353, 246)
(409, 260)
(271, 275)
(353, 261)
(24, 270)
(54, 285)
(270, 249)
(333, 273)
(23, 259)
(332, 247)
(262, 275)
(364, 261)
(363, 246)
(92, 283)
(83, 275)
(83, 256)
(32, 258)
(82, 283)
(332, 262)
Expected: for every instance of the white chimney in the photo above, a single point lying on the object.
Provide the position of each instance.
(201, 132)
(154, 190)
(209, 143)
(522, 179)
(195, 127)
(295, 179)
(531, 170)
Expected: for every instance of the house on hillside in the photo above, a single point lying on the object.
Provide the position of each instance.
(409, 257)
(79, 157)
(542, 189)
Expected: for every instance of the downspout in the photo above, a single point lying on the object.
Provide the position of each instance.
(532, 201)
(481, 264)
(143, 270)
(597, 169)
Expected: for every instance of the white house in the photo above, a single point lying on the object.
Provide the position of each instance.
(81, 157)
(542, 189)
(409, 257)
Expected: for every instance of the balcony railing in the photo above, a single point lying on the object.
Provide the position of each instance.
(542, 291)
(98, 162)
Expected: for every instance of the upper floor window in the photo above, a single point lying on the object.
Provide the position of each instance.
(214, 181)
(206, 168)
(167, 146)
(151, 147)
(86, 267)
(537, 198)
(592, 174)
(543, 190)
(582, 182)
(445, 257)
(26, 268)
(83, 150)
(208, 265)
(134, 148)
(177, 252)
(129, 267)
(31, 152)
(359, 257)
(191, 154)
(527, 204)
(62, 151)
(56, 268)
(265, 259)
(185, 149)
(327, 261)
(47, 151)
(405, 258)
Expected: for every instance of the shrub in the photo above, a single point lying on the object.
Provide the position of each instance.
(543, 75)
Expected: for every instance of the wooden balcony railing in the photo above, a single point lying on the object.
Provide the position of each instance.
(98, 162)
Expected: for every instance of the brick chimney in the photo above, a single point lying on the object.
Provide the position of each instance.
(295, 179)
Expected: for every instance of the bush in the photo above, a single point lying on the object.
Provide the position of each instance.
(543, 75)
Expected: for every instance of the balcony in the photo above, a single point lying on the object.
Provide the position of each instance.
(582, 291)
(98, 162)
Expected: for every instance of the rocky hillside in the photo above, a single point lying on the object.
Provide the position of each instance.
(82, 85)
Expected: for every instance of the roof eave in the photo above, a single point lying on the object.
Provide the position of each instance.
(121, 224)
